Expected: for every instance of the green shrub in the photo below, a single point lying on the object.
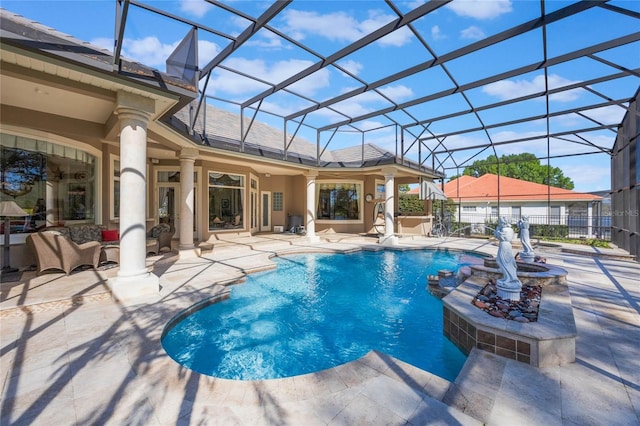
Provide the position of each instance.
(552, 231)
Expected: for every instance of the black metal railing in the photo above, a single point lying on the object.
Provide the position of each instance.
(554, 226)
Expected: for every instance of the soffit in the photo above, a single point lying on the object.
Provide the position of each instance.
(44, 84)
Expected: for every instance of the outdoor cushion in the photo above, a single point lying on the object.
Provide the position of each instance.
(159, 229)
(83, 233)
(110, 235)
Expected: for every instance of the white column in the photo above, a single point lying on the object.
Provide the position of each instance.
(187, 160)
(389, 237)
(311, 207)
(133, 279)
(589, 220)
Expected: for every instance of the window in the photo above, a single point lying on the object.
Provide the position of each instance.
(278, 201)
(516, 212)
(469, 209)
(115, 187)
(51, 182)
(226, 200)
(380, 190)
(554, 215)
(339, 201)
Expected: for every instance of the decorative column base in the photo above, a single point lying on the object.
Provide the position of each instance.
(128, 289)
(312, 239)
(189, 252)
(508, 293)
(527, 256)
(390, 240)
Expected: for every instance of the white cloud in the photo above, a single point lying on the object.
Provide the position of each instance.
(472, 33)
(273, 73)
(415, 4)
(354, 67)
(608, 115)
(268, 40)
(598, 178)
(206, 52)
(149, 51)
(152, 52)
(333, 26)
(196, 8)
(366, 101)
(310, 85)
(397, 92)
(509, 89)
(278, 108)
(371, 124)
(233, 84)
(103, 42)
(480, 9)
(340, 26)
(436, 34)
(398, 38)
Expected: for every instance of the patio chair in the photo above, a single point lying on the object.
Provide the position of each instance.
(52, 250)
(163, 234)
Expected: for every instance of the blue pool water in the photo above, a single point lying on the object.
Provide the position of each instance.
(317, 311)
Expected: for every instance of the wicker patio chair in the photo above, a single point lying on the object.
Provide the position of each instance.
(54, 251)
(163, 234)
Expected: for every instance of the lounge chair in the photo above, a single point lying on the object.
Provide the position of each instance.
(52, 250)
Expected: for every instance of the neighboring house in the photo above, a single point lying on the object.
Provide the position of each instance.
(485, 198)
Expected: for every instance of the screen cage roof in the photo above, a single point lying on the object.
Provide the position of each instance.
(436, 83)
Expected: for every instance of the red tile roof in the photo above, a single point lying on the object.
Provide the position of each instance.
(485, 188)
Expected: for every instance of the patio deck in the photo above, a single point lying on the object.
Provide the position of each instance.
(73, 355)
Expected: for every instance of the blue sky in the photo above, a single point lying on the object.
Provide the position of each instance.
(327, 26)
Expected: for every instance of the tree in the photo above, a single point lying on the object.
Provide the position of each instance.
(520, 166)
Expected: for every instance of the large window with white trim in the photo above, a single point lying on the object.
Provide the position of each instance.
(339, 201)
(52, 183)
(114, 187)
(226, 201)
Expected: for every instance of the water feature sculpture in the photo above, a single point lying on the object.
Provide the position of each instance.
(527, 254)
(509, 285)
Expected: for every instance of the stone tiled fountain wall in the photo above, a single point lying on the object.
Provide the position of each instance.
(547, 342)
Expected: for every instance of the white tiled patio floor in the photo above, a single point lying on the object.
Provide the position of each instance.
(70, 354)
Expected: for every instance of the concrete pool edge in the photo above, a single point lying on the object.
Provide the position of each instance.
(225, 292)
(550, 341)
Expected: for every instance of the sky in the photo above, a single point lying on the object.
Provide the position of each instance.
(327, 26)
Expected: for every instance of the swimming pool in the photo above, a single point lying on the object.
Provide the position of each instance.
(317, 311)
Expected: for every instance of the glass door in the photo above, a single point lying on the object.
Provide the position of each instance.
(168, 205)
(265, 217)
(253, 204)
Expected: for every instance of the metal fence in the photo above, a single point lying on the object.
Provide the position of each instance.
(563, 226)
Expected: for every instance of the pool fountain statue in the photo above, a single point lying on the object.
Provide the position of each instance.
(527, 254)
(509, 285)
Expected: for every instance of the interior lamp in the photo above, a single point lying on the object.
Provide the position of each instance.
(9, 209)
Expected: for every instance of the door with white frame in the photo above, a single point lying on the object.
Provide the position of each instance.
(265, 215)
(168, 206)
(253, 204)
(168, 198)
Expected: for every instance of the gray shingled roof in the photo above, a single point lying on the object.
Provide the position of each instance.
(31, 35)
(223, 131)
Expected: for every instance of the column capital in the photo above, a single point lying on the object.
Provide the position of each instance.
(389, 171)
(311, 174)
(130, 101)
(188, 154)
